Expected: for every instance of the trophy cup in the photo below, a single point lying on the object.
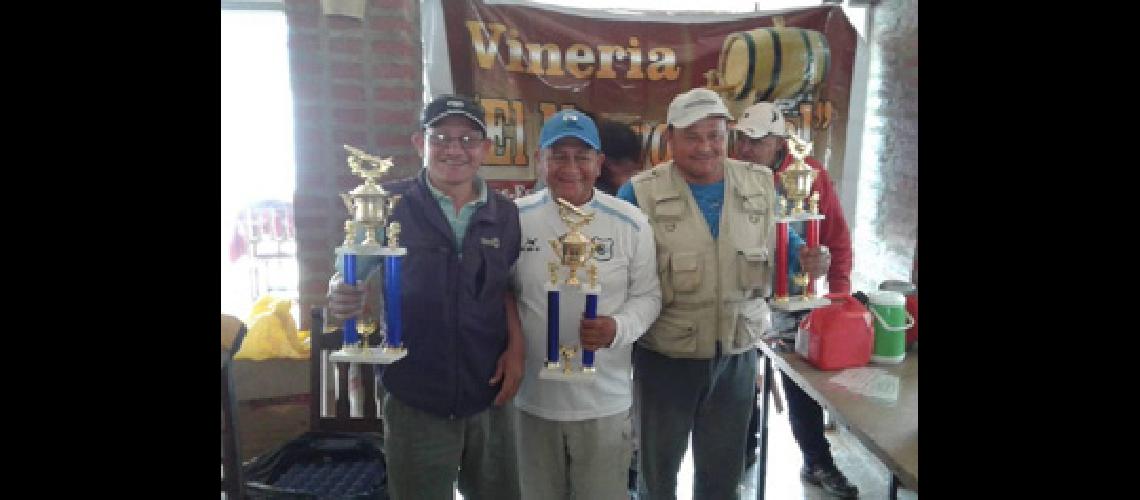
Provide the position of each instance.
(796, 181)
(370, 207)
(574, 251)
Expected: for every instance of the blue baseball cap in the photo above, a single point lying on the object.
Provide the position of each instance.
(569, 123)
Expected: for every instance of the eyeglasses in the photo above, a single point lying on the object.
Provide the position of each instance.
(467, 142)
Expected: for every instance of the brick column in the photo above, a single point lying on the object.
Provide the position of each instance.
(355, 82)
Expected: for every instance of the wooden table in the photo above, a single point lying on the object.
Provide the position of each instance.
(889, 429)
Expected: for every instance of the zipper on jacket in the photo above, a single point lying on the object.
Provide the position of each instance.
(456, 313)
(455, 271)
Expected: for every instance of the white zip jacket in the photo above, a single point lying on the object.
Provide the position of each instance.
(627, 272)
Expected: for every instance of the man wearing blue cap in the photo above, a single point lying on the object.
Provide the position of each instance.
(575, 437)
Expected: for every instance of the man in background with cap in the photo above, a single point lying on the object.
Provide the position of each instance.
(713, 222)
(762, 138)
(446, 413)
(575, 437)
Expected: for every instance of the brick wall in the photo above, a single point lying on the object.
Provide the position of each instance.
(354, 82)
(885, 227)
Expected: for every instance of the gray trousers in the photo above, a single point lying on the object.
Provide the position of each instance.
(586, 460)
(712, 398)
(426, 454)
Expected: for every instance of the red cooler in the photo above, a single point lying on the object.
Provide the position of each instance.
(837, 336)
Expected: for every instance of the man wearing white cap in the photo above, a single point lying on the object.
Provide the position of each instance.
(713, 222)
(762, 138)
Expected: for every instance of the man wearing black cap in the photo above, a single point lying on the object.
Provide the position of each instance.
(446, 412)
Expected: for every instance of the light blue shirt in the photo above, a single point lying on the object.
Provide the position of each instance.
(710, 197)
(458, 222)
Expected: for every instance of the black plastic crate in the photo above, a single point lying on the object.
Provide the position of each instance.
(321, 466)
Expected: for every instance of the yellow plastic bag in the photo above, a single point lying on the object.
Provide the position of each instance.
(273, 332)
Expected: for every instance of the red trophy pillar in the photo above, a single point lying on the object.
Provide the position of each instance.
(781, 260)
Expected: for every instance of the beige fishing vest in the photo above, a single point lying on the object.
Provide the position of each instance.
(707, 285)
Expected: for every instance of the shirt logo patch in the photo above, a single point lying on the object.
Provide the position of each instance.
(603, 249)
(530, 245)
(490, 242)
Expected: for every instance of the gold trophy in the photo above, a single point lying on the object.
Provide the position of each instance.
(797, 181)
(573, 248)
(567, 352)
(799, 176)
(574, 251)
(370, 207)
(801, 280)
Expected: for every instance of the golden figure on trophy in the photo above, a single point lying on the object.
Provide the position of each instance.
(574, 249)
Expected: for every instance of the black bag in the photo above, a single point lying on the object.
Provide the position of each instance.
(320, 466)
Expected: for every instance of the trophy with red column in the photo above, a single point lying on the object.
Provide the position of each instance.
(796, 180)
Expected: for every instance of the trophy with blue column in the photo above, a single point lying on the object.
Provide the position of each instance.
(370, 207)
(574, 251)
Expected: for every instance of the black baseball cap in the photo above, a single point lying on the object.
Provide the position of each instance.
(447, 105)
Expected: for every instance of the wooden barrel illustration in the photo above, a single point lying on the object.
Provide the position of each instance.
(765, 64)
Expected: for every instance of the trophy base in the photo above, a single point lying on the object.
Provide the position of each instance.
(559, 375)
(370, 250)
(799, 304)
(372, 355)
(800, 217)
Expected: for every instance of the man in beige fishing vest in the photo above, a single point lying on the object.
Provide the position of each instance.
(713, 224)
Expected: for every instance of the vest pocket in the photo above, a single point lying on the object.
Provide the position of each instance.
(755, 203)
(663, 276)
(755, 208)
(752, 266)
(669, 209)
(674, 334)
(686, 269)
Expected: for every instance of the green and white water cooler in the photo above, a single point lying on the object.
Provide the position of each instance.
(891, 322)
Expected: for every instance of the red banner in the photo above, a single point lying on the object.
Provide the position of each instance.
(525, 63)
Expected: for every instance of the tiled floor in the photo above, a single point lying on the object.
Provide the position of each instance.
(862, 468)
